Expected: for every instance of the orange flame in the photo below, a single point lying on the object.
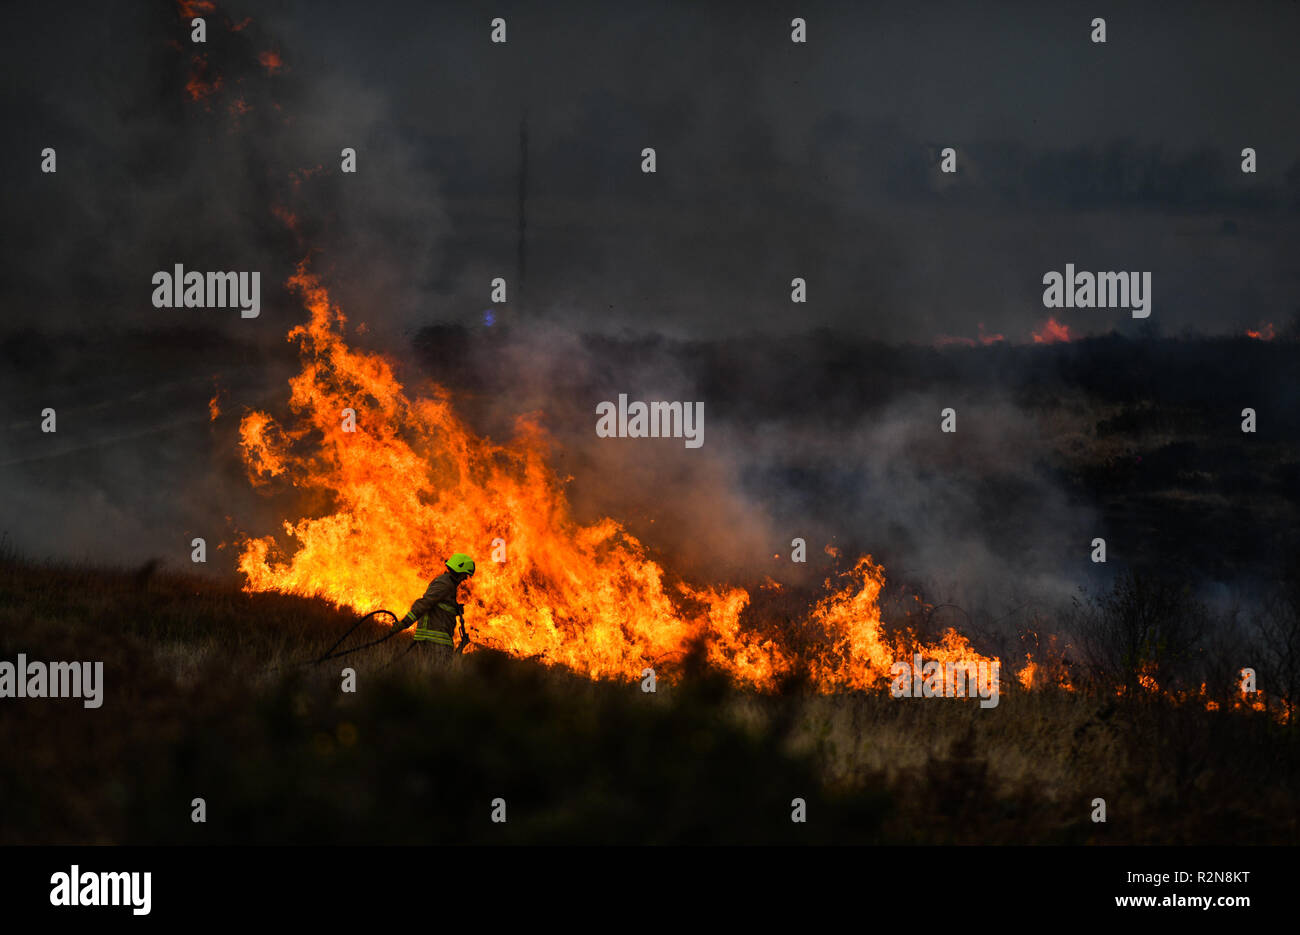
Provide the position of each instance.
(193, 8)
(199, 87)
(412, 483)
(1050, 669)
(1052, 332)
(989, 338)
(286, 217)
(1265, 333)
(270, 60)
(1148, 681)
(1029, 673)
(298, 176)
(944, 340)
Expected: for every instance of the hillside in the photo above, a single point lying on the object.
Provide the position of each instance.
(203, 697)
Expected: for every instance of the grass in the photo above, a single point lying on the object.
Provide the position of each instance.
(204, 697)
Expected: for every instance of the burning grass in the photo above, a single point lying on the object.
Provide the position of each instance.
(412, 484)
(201, 699)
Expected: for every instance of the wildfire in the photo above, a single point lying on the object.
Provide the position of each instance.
(944, 340)
(1050, 669)
(1027, 675)
(287, 218)
(200, 87)
(412, 484)
(270, 60)
(1052, 332)
(1265, 333)
(298, 176)
(1244, 701)
(1148, 681)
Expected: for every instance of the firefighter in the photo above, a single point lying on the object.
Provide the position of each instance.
(436, 612)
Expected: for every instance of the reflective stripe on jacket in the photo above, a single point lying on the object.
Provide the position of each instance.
(433, 636)
(436, 608)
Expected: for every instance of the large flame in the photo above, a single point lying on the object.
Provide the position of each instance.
(411, 484)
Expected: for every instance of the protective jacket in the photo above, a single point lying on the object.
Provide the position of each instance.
(435, 612)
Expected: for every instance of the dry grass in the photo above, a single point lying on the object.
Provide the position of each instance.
(204, 697)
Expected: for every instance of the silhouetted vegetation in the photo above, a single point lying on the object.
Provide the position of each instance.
(205, 697)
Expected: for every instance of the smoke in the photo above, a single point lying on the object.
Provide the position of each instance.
(775, 161)
(976, 517)
(795, 447)
(242, 175)
(664, 287)
(149, 176)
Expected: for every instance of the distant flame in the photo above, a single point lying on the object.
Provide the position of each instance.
(192, 8)
(286, 217)
(1265, 333)
(298, 176)
(1050, 668)
(1148, 681)
(1052, 332)
(200, 87)
(944, 340)
(270, 60)
(1027, 675)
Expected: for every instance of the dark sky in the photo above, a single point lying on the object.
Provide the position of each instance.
(775, 160)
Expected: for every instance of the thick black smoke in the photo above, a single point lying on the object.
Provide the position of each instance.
(775, 160)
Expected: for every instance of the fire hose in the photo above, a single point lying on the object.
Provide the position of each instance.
(331, 654)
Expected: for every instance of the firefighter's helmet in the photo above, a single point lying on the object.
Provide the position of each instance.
(461, 564)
